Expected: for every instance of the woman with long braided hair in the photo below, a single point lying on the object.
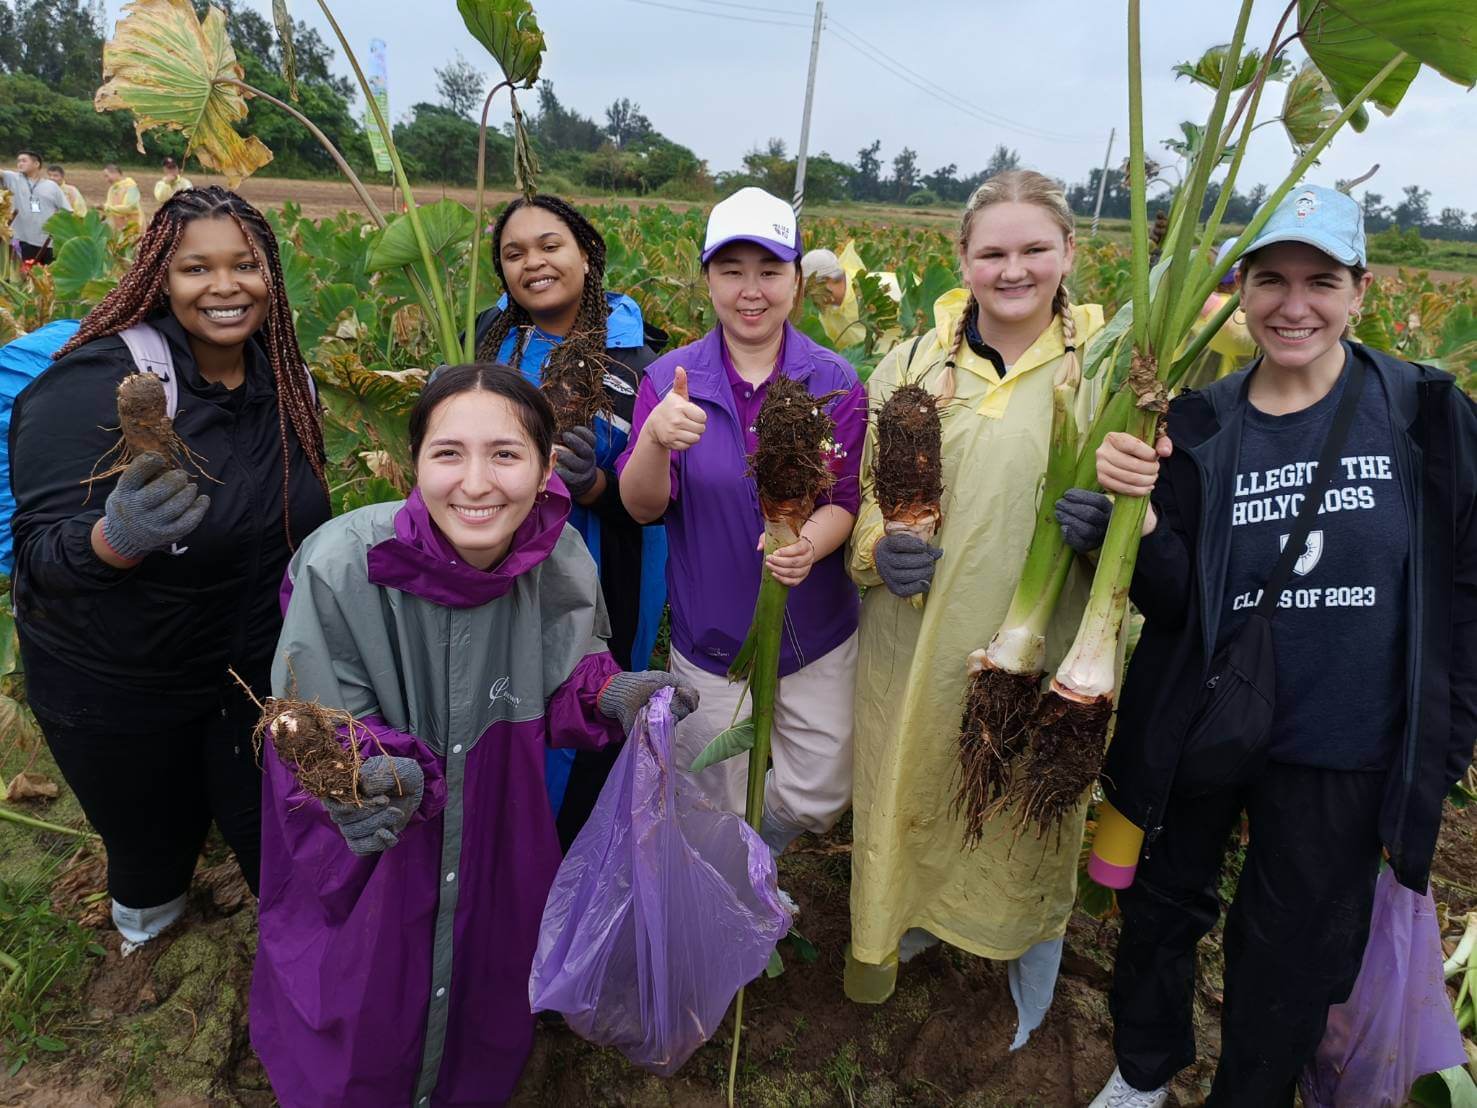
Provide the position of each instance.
(1003, 341)
(556, 318)
(136, 592)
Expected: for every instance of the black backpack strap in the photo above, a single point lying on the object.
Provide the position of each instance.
(1338, 432)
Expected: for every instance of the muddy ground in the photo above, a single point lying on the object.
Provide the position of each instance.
(167, 1026)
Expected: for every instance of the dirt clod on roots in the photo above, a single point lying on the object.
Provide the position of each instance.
(791, 462)
(998, 707)
(576, 391)
(909, 474)
(1067, 738)
(306, 737)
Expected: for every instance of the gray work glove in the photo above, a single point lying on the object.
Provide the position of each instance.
(1084, 518)
(627, 693)
(905, 563)
(375, 823)
(152, 507)
(575, 463)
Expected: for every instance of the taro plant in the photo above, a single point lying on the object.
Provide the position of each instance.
(175, 71)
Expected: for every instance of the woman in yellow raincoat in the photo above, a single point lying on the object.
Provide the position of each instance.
(829, 279)
(993, 357)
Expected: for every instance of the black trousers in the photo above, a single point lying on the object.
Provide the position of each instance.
(1294, 936)
(41, 255)
(152, 795)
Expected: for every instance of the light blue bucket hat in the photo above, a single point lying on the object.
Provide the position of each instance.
(1321, 217)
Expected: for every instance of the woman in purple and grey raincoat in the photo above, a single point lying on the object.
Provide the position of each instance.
(465, 630)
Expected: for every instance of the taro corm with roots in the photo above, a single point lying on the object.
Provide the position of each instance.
(1005, 677)
(145, 426)
(576, 392)
(308, 740)
(909, 473)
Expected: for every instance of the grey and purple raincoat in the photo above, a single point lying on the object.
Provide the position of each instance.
(402, 978)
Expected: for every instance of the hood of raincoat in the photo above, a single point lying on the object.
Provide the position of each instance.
(419, 560)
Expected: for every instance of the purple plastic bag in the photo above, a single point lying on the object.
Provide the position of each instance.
(663, 908)
(1397, 1024)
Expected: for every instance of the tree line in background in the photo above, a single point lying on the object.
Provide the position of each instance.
(51, 61)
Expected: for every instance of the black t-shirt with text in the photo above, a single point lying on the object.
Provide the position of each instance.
(1339, 627)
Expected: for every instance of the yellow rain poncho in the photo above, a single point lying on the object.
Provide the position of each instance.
(842, 321)
(909, 868)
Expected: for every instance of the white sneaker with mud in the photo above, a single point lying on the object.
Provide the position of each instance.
(1118, 1093)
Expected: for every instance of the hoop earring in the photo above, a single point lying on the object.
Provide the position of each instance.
(1238, 317)
(1355, 318)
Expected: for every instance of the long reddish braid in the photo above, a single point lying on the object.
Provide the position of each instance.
(586, 339)
(143, 290)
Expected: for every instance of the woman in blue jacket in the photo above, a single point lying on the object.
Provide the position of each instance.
(555, 310)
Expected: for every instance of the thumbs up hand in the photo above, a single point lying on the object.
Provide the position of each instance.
(676, 423)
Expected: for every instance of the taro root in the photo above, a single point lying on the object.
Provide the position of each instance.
(575, 388)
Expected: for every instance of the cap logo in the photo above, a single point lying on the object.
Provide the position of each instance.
(1305, 205)
(781, 230)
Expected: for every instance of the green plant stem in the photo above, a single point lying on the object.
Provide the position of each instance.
(1200, 170)
(41, 825)
(1090, 667)
(445, 318)
(733, 1057)
(469, 332)
(769, 619)
(333, 152)
(1138, 186)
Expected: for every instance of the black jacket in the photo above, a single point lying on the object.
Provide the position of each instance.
(1179, 584)
(158, 638)
(620, 535)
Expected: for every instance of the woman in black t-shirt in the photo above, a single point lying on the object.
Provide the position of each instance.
(1375, 641)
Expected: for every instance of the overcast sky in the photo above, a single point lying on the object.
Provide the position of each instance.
(1046, 78)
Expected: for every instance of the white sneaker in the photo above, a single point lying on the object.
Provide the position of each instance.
(1118, 1093)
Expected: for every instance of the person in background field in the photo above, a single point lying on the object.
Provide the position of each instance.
(1000, 345)
(397, 936)
(172, 182)
(828, 280)
(555, 310)
(122, 203)
(135, 593)
(34, 199)
(1233, 343)
(59, 175)
(1375, 655)
(687, 464)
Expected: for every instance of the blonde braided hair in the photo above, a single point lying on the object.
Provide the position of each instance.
(1019, 186)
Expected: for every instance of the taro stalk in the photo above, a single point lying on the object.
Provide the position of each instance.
(908, 476)
(175, 71)
(790, 466)
(1366, 51)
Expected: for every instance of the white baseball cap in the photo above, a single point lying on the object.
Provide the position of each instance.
(753, 215)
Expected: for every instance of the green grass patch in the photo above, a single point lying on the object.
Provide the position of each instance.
(45, 960)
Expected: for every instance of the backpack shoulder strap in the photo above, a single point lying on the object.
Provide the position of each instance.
(150, 352)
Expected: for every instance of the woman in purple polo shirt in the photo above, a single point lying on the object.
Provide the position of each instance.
(687, 465)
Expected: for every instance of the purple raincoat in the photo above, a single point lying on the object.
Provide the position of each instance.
(402, 978)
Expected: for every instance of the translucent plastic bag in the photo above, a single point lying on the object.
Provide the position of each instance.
(1397, 1023)
(663, 908)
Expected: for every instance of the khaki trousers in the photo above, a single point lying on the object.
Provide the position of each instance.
(809, 784)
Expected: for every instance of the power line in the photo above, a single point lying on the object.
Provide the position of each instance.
(716, 15)
(938, 92)
(754, 7)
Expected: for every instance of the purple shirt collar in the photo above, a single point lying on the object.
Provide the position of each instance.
(419, 560)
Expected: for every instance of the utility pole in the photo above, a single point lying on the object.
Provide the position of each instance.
(815, 49)
(1102, 184)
